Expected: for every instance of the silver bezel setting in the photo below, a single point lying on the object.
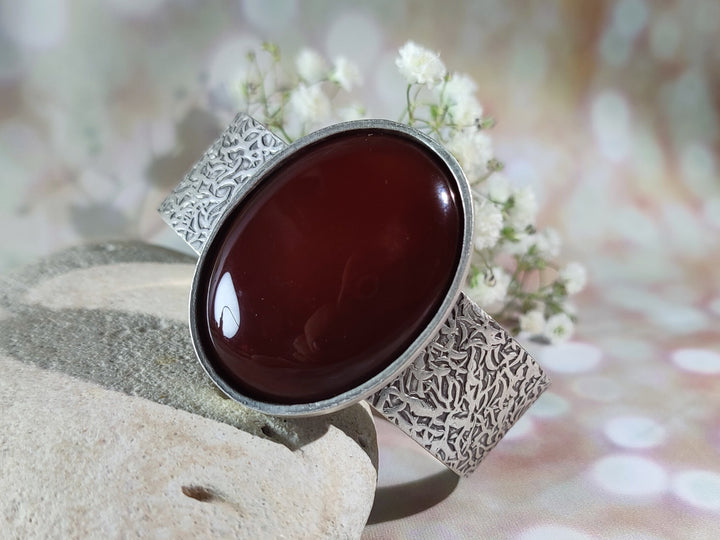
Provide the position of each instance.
(381, 379)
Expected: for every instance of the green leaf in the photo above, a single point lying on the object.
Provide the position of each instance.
(508, 233)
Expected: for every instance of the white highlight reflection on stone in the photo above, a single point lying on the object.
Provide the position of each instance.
(630, 476)
(635, 432)
(571, 357)
(698, 488)
(697, 361)
(226, 308)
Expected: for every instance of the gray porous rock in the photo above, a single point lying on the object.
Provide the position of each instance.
(110, 428)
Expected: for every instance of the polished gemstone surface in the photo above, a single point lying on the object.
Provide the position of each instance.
(331, 267)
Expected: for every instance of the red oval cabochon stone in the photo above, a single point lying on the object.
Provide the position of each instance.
(331, 267)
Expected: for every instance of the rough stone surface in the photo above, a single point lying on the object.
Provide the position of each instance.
(109, 425)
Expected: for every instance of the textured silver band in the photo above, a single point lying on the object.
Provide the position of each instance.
(459, 396)
(468, 387)
(195, 207)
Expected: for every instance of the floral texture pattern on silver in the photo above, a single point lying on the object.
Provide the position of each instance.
(197, 204)
(465, 390)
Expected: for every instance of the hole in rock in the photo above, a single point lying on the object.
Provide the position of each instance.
(199, 493)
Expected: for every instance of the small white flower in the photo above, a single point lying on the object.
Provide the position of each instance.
(532, 322)
(459, 96)
(558, 328)
(311, 66)
(574, 276)
(521, 244)
(488, 224)
(490, 290)
(498, 188)
(309, 103)
(524, 209)
(473, 149)
(419, 65)
(345, 73)
(548, 243)
(459, 87)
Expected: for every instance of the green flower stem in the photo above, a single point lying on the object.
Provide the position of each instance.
(409, 106)
(281, 129)
(261, 86)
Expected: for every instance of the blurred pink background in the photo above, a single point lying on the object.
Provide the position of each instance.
(608, 109)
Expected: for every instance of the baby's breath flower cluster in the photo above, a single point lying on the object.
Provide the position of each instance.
(293, 101)
(512, 274)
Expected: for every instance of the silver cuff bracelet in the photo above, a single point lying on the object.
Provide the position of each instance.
(450, 377)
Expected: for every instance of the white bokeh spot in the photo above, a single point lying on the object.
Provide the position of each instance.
(698, 488)
(35, 24)
(571, 357)
(682, 320)
(549, 405)
(348, 31)
(228, 62)
(630, 476)
(697, 361)
(635, 432)
(389, 84)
